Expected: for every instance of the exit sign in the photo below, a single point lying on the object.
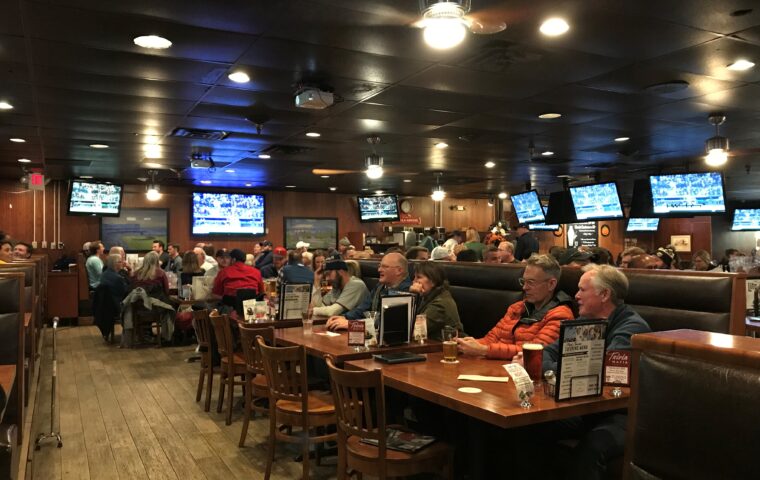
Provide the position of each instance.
(36, 181)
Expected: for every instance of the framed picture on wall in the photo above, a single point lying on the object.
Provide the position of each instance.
(135, 229)
(682, 243)
(317, 232)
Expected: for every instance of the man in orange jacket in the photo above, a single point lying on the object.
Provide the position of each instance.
(535, 319)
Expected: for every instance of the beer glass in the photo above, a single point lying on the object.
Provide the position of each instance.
(533, 355)
(449, 335)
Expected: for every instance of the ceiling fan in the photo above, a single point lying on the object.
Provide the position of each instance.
(445, 22)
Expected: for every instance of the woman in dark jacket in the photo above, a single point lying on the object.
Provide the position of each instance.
(435, 299)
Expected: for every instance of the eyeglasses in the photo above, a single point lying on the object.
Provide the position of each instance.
(531, 282)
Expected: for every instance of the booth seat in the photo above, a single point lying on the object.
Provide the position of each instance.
(666, 299)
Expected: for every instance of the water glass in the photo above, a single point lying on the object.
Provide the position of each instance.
(420, 328)
(308, 322)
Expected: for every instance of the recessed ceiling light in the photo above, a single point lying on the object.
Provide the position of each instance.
(24, 160)
(622, 139)
(365, 189)
(247, 184)
(290, 186)
(332, 189)
(547, 153)
(407, 180)
(98, 145)
(741, 65)
(152, 41)
(324, 176)
(441, 145)
(206, 182)
(18, 140)
(378, 192)
(264, 156)
(5, 106)
(503, 195)
(229, 170)
(553, 27)
(549, 115)
(313, 134)
(152, 150)
(86, 177)
(490, 164)
(239, 77)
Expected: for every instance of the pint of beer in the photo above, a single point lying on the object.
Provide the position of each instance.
(533, 354)
(449, 345)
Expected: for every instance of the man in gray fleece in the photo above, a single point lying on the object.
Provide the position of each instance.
(601, 293)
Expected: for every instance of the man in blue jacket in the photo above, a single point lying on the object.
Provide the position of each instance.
(601, 294)
(295, 271)
(393, 276)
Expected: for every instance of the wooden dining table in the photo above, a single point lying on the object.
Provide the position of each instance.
(318, 343)
(496, 403)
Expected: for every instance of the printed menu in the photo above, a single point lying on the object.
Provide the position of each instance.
(581, 360)
(295, 298)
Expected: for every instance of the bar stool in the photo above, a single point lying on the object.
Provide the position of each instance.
(256, 386)
(233, 364)
(292, 404)
(354, 394)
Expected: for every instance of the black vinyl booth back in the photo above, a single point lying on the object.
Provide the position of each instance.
(666, 300)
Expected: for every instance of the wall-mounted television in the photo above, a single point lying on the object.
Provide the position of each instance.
(543, 226)
(378, 208)
(598, 201)
(642, 224)
(688, 193)
(746, 219)
(217, 213)
(95, 198)
(528, 207)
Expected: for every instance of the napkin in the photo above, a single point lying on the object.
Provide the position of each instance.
(328, 333)
(483, 378)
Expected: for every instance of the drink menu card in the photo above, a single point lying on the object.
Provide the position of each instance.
(581, 360)
(356, 330)
(294, 299)
(617, 368)
(249, 310)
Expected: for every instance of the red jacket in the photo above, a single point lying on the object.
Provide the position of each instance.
(238, 275)
(505, 341)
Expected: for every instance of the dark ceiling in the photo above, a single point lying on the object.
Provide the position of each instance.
(75, 78)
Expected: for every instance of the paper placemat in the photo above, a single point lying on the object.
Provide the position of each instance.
(483, 378)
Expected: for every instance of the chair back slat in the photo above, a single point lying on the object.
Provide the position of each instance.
(202, 327)
(223, 333)
(359, 402)
(253, 360)
(285, 368)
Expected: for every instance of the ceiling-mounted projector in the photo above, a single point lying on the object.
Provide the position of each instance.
(198, 162)
(314, 98)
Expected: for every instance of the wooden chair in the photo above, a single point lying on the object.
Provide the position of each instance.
(292, 404)
(143, 320)
(203, 334)
(256, 385)
(233, 364)
(355, 393)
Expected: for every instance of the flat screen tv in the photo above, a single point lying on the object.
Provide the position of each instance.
(95, 198)
(746, 219)
(543, 226)
(217, 213)
(596, 202)
(528, 207)
(642, 224)
(378, 208)
(688, 193)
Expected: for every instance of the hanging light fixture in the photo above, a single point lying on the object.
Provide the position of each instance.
(716, 147)
(374, 161)
(444, 23)
(438, 193)
(153, 192)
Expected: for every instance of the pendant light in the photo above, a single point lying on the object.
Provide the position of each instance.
(716, 147)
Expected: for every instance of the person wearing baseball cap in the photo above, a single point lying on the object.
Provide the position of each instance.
(526, 244)
(347, 291)
(236, 276)
(279, 257)
(302, 246)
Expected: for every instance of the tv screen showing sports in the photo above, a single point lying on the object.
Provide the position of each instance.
(543, 226)
(215, 213)
(93, 198)
(378, 208)
(746, 219)
(528, 207)
(596, 202)
(642, 224)
(688, 193)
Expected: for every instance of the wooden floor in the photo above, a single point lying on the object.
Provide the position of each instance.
(131, 414)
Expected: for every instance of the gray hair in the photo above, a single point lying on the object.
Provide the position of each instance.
(609, 278)
(149, 267)
(547, 263)
(116, 250)
(112, 260)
